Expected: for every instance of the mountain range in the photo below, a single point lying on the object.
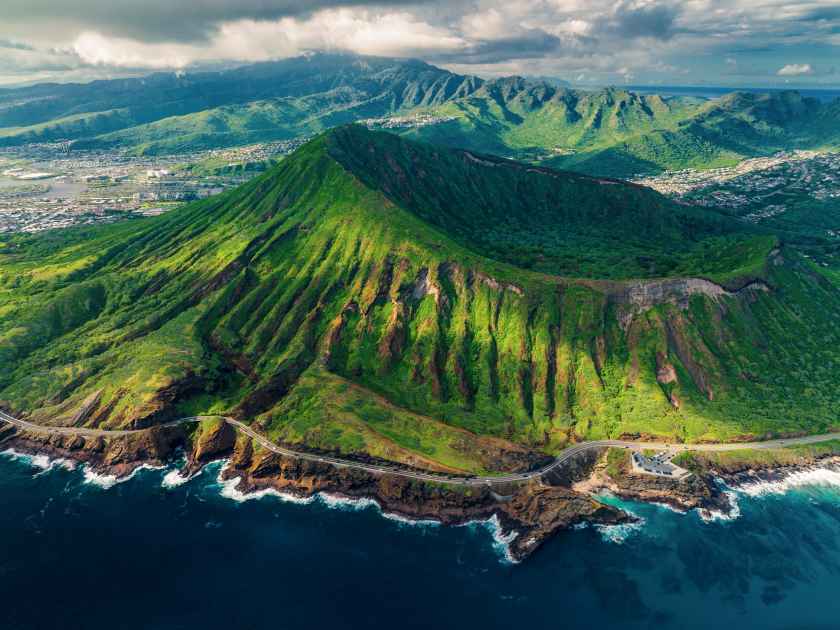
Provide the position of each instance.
(373, 296)
(609, 132)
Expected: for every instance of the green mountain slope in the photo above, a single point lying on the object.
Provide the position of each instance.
(524, 115)
(615, 132)
(347, 301)
(609, 132)
(574, 225)
(271, 100)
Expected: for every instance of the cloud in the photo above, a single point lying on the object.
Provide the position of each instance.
(650, 39)
(626, 74)
(641, 18)
(386, 34)
(795, 70)
(826, 13)
(11, 44)
(528, 44)
(158, 20)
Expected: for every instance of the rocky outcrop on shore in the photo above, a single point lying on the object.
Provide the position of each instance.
(118, 456)
(528, 513)
(697, 491)
(706, 488)
(779, 468)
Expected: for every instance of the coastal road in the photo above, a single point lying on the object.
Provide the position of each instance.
(561, 459)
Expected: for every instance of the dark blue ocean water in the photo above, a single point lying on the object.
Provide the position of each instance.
(141, 555)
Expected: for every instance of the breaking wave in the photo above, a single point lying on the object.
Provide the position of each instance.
(819, 477)
(618, 534)
(229, 490)
(106, 481)
(501, 540)
(710, 515)
(42, 462)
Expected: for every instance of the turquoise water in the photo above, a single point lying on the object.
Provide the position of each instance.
(139, 554)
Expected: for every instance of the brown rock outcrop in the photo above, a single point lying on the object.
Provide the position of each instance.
(115, 456)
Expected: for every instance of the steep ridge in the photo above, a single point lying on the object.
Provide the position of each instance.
(170, 112)
(609, 131)
(559, 222)
(341, 302)
(620, 133)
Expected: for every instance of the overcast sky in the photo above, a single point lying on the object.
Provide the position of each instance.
(588, 42)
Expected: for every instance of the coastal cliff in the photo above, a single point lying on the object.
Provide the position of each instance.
(526, 513)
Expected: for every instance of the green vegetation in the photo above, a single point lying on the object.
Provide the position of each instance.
(617, 461)
(793, 200)
(350, 300)
(166, 112)
(619, 133)
(741, 459)
(575, 225)
(609, 132)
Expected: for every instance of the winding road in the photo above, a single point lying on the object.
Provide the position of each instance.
(561, 459)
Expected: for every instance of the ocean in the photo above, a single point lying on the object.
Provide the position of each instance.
(160, 552)
(822, 94)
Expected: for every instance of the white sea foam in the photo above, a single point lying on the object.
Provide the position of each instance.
(42, 462)
(229, 490)
(174, 478)
(734, 511)
(403, 520)
(820, 477)
(109, 481)
(340, 502)
(619, 533)
(103, 481)
(670, 508)
(501, 541)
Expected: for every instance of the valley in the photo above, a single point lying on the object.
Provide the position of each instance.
(609, 131)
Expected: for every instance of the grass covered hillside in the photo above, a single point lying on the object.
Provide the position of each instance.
(608, 132)
(174, 112)
(621, 133)
(560, 223)
(351, 300)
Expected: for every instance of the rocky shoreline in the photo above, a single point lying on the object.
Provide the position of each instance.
(709, 488)
(698, 491)
(525, 514)
(758, 479)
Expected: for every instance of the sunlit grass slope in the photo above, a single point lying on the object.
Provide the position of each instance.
(373, 297)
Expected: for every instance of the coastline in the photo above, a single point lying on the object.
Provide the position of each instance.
(151, 530)
(713, 489)
(520, 518)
